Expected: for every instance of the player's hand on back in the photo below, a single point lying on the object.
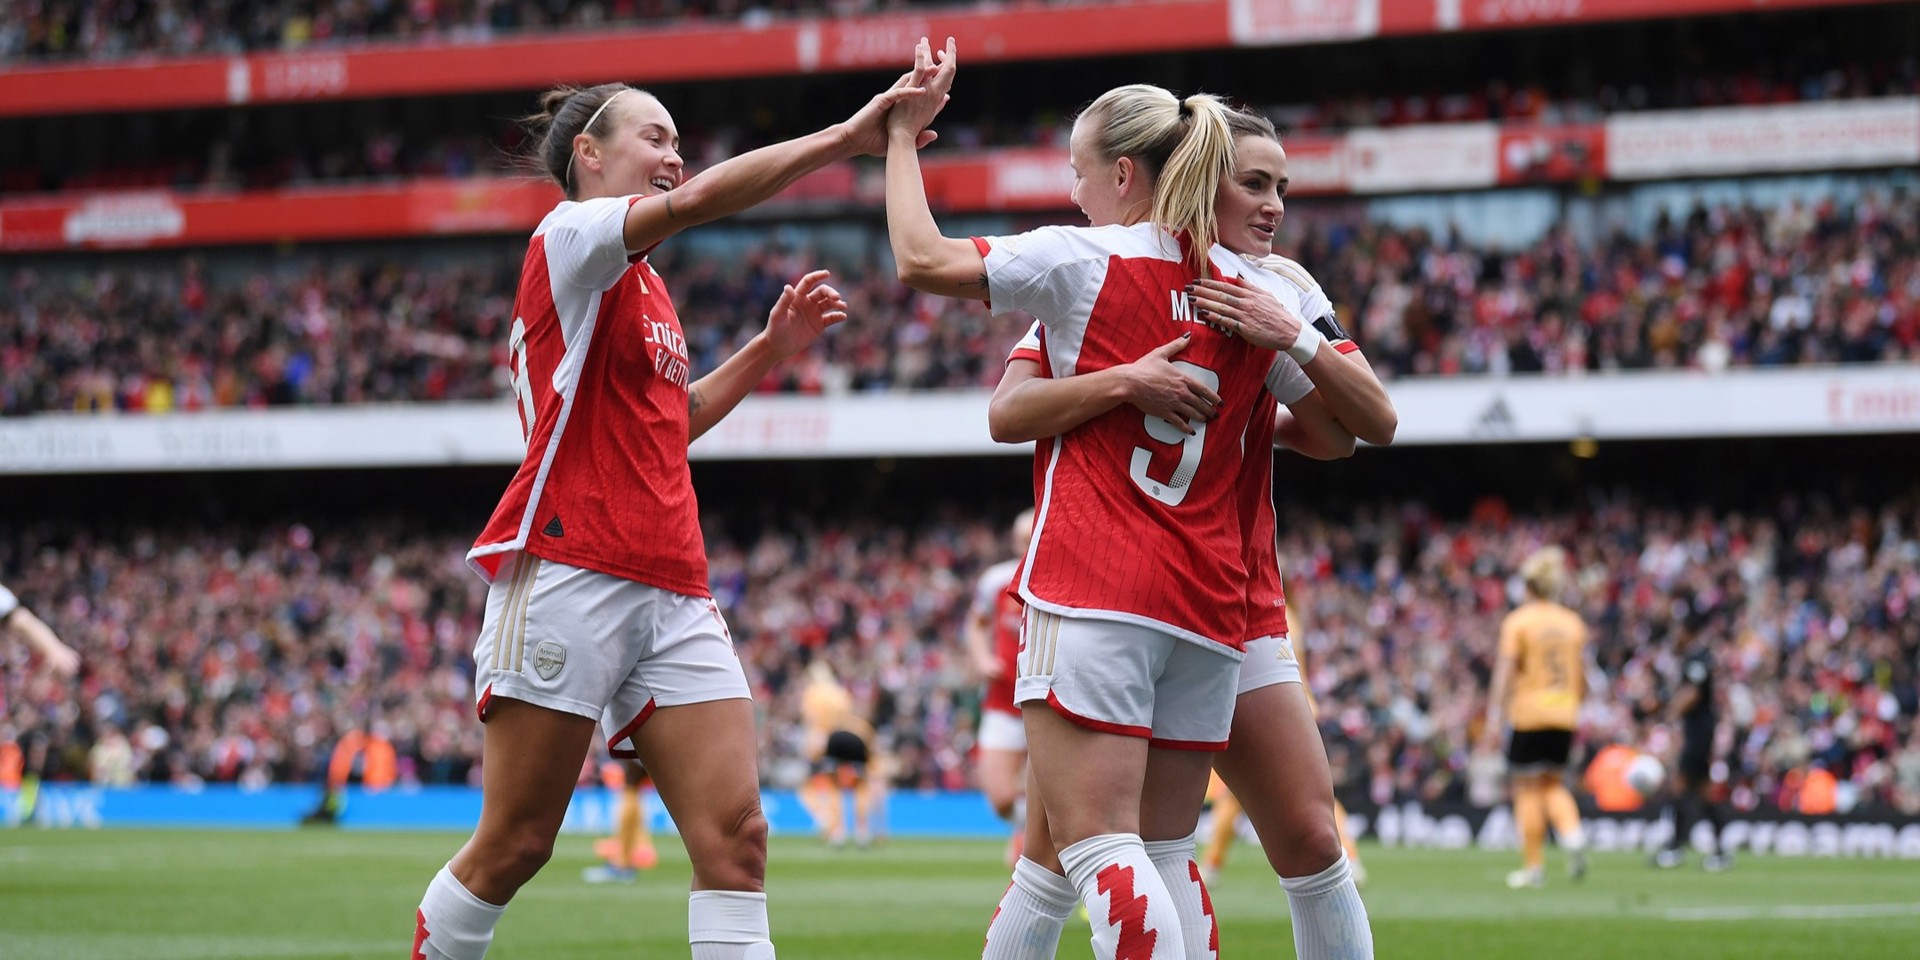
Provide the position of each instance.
(804, 310)
(1247, 312)
(1157, 388)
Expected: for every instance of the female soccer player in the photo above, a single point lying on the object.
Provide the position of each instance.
(599, 608)
(1275, 758)
(992, 637)
(1136, 581)
(1539, 679)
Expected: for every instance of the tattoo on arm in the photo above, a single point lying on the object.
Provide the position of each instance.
(981, 282)
(695, 400)
(669, 199)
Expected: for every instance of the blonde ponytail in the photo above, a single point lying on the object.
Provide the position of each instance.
(1183, 195)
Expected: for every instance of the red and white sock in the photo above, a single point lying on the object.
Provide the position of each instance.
(1026, 925)
(1329, 920)
(1181, 873)
(1128, 904)
(728, 925)
(452, 923)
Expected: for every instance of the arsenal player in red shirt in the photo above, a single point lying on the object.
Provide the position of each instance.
(598, 611)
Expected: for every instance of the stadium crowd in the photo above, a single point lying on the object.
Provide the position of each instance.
(227, 153)
(1721, 287)
(114, 29)
(222, 655)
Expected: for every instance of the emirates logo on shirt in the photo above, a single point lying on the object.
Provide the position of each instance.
(669, 353)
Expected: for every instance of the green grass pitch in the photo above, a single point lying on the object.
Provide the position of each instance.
(321, 895)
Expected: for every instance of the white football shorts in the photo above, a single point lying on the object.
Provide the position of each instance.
(1000, 730)
(1128, 679)
(1269, 661)
(590, 643)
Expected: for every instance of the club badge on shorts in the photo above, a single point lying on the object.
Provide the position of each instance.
(548, 658)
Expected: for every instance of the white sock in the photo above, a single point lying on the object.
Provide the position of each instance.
(1575, 841)
(728, 925)
(1181, 873)
(452, 923)
(1129, 907)
(1026, 926)
(1329, 921)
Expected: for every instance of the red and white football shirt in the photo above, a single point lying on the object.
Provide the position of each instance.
(1266, 596)
(600, 368)
(1136, 521)
(992, 600)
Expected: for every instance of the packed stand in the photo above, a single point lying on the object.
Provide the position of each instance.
(232, 656)
(115, 29)
(1718, 289)
(213, 155)
(243, 656)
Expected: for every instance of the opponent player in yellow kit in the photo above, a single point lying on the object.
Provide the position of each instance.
(631, 848)
(840, 745)
(1539, 680)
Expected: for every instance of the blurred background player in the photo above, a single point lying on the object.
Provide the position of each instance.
(23, 756)
(630, 849)
(841, 746)
(1539, 680)
(992, 637)
(363, 755)
(1692, 707)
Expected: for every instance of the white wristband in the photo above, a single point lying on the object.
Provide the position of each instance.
(1306, 345)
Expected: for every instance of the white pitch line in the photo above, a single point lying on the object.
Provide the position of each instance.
(1833, 911)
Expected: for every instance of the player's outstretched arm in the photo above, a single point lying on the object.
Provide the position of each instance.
(805, 310)
(924, 258)
(753, 177)
(1027, 406)
(60, 658)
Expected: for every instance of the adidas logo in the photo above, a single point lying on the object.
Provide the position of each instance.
(1496, 420)
(553, 528)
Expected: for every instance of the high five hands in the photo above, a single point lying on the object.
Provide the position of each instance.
(932, 81)
(865, 133)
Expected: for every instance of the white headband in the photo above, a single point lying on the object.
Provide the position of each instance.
(589, 126)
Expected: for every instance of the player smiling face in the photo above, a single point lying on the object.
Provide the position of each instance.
(1250, 204)
(641, 153)
(1107, 191)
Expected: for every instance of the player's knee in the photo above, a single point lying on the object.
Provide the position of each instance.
(736, 858)
(1002, 800)
(1309, 850)
(511, 860)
